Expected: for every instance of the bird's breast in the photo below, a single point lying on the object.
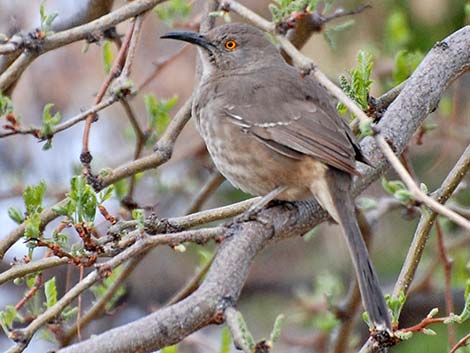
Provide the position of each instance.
(248, 164)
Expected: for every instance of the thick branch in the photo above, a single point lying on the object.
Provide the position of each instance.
(226, 277)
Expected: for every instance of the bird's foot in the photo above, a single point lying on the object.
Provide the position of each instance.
(250, 214)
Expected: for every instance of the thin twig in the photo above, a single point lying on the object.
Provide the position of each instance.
(231, 320)
(66, 124)
(215, 180)
(140, 140)
(200, 236)
(99, 306)
(160, 65)
(426, 222)
(85, 156)
(37, 284)
(21, 270)
(447, 264)
(137, 28)
(192, 284)
(461, 343)
(62, 38)
(414, 189)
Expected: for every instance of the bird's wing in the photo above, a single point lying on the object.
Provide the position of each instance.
(300, 127)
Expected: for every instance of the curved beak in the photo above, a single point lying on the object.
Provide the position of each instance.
(190, 37)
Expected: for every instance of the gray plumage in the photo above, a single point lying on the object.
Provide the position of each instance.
(266, 126)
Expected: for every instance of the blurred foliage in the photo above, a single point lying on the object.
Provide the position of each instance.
(225, 340)
(405, 63)
(46, 19)
(99, 290)
(107, 56)
(6, 105)
(50, 291)
(173, 10)
(170, 349)
(7, 318)
(158, 113)
(404, 36)
(395, 305)
(357, 85)
(282, 9)
(49, 122)
(81, 202)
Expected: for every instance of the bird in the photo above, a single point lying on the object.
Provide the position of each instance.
(274, 132)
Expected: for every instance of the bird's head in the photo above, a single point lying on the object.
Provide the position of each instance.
(233, 46)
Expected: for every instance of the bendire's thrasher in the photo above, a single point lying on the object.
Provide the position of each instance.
(271, 131)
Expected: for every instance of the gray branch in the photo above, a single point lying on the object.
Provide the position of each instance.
(226, 277)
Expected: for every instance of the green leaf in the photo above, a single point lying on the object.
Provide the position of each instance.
(68, 313)
(433, 313)
(106, 194)
(84, 201)
(50, 292)
(276, 332)
(366, 319)
(453, 319)
(357, 87)
(173, 10)
(404, 196)
(465, 315)
(395, 305)
(32, 226)
(405, 63)
(46, 19)
(138, 215)
(424, 188)
(397, 189)
(403, 335)
(16, 215)
(170, 349)
(180, 248)
(225, 339)
(330, 33)
(7, 317)
(365, 127)
(49, 123)
(61, 239)
(367, 203)
(120, 189)
(107, 56)
(6, 105)
(33, 196)
(100, 289)
(397, 30)
(429, 332)
(30, 280)
(158, 114)
(67, 210)
(246, 335)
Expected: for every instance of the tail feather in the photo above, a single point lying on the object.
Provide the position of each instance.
(341, 207)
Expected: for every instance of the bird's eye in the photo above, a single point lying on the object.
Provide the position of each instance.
(230, 44)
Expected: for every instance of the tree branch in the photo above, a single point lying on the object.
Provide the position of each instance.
(226, 276)
(59, 39)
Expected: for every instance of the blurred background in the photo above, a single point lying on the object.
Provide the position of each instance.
(293, 277)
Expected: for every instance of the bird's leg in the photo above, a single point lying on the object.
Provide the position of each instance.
(252, 212)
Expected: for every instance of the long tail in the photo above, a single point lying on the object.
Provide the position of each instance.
(341, 208)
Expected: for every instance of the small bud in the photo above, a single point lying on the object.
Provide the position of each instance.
(179, 248)
(403, 335)
(433, 313)
(428, 331)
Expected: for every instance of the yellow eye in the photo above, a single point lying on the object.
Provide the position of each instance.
(230, 44)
